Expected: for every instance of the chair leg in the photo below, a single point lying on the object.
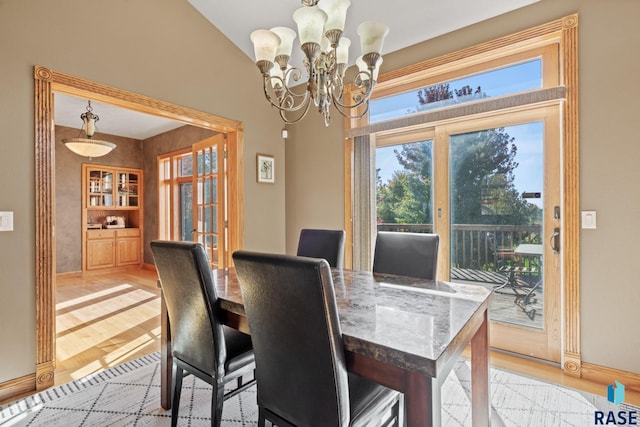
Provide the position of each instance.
(394, 415)
(217, 400)
(178, 373)
(261, 418)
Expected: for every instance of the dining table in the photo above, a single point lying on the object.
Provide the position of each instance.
(402, 332)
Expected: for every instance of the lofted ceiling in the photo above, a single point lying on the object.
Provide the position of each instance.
(410, 22)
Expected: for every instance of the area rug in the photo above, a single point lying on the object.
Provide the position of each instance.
(129, 395)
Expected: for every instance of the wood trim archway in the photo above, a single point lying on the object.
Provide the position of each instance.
(46, 83)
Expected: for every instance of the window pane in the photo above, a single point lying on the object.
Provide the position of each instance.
(503, 81)
(207, 162)
(497, 189)
(185, 166)
(404, 189)
(214, 160)
(200, 160)
(207, 191)
(200, 191)
(207, 219)
(186, 211)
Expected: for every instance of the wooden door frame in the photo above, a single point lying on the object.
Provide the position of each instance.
(46, 82)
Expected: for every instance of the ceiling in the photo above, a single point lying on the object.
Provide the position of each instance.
(414, 22)
(112, 120)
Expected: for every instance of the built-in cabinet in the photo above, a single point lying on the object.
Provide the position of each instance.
(112, 217)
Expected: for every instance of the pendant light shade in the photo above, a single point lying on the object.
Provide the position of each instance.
(89, 147)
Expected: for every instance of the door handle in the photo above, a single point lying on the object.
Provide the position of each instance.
(554, 240)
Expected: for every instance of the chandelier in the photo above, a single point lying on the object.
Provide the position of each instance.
(89, 147)
(320, 26)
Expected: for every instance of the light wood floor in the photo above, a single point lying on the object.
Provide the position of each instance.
(103, 320)
(107, 319)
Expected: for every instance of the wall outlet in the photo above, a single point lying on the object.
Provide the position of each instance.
(6, 221)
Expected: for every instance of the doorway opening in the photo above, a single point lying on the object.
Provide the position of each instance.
(47, 82)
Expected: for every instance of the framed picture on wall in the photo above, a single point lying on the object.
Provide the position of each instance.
(265, 168)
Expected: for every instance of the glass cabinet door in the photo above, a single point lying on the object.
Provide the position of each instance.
(127, 189)
(100, 188)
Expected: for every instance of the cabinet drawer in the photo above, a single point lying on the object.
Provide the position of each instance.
(101, 234)
(128, 232)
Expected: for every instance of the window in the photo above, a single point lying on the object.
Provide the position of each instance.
(506, 80)
(192, 197)
(176, 195)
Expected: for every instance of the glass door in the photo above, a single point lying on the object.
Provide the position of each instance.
(503, 224)
(208, 199)
(100, 188)
(490, 187)
(127, 189)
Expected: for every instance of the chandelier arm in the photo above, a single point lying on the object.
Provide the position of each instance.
(296, 120)
(360, 96)
(344, 110)
(286, 98)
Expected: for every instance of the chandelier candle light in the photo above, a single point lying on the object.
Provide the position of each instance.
(320, 26)
(89, 147)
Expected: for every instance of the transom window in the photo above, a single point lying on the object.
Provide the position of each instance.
(507, 80)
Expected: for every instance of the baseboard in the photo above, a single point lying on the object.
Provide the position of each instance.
(151, 267)
(72, 274)
(68, 274)
(604, 375)
(17, 388)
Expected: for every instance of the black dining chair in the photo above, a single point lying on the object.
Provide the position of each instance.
(200, 344)
(326, 244)
(301, 372)
(406, 254)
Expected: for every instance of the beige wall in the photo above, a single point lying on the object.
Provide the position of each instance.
(160, 48)
(609, 150)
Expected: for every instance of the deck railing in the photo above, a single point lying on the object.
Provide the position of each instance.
(471, 245)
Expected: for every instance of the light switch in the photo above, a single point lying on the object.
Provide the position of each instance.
(6, 221)
(588, 219)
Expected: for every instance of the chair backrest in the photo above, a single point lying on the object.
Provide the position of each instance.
(501, 253)
(297, 341)
(326, 244)
(197, 337)
(406, 254)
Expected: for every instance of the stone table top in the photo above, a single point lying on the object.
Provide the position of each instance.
(415, 324)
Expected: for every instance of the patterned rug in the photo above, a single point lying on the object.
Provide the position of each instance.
(129, 395)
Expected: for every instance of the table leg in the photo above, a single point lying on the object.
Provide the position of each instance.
(422, 401)
(480, 390)
(166, 360)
